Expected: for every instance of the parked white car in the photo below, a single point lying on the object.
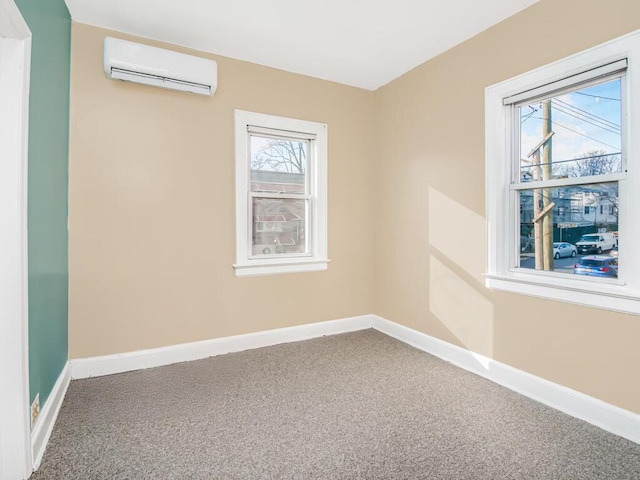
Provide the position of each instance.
(596, 242)
(564, 249)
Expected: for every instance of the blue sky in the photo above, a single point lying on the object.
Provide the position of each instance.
(585, 120)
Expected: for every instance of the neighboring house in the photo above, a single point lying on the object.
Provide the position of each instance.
(599, 210)
(279, 225)
(582, 208)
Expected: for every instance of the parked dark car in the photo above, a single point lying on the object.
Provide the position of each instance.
(597, 266)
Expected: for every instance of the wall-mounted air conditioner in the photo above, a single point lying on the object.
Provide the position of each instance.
(139, 63)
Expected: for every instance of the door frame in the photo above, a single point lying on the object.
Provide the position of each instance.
(16, 457)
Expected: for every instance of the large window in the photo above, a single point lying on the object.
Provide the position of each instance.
(281, 166)
(562, 180)
(570, 161)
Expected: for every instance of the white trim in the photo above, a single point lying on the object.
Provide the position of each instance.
(48, 414)
(502, 183)
(601, 414)
(125, 362)
(316, 133)
(616, 301)
(575, 79)
(281, 267)
(12, 25)
(15, 56)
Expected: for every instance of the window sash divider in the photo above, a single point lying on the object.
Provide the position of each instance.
(283, 259)
(284, 196)
(564, 182)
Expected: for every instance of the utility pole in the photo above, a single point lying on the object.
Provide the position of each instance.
(547, 173)
(537, 211)
(540, 208)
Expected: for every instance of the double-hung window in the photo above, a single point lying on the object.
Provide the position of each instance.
(562, 165)
(281, 186)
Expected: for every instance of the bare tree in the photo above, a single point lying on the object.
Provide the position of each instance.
(595, 162)
(281, 156)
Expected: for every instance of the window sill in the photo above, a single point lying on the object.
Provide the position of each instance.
(609, 296)
(281, 266)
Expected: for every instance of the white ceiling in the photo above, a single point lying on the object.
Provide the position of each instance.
(364, 43)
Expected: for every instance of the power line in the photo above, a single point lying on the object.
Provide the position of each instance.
(589, 115)
(592, 116)
(569, 113)
(586, 112)
(528, 115)
(598, 96)
(578, 133)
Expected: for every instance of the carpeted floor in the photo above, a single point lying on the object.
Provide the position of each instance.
(353, 406)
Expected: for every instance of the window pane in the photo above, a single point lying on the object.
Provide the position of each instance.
(279, 226)
(587, 134)
(278, 165)
(560, 226)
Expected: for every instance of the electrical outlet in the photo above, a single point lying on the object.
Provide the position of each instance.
(35, 410)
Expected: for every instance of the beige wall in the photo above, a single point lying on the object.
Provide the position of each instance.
(152, 215)
(430, 229)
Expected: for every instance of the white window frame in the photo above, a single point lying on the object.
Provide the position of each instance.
(622, 294)
(316, 257)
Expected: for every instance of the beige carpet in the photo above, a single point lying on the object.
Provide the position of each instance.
(353, 406)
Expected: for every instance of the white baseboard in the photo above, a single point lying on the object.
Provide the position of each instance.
(601, 414)
(126, 362)
(48, 415)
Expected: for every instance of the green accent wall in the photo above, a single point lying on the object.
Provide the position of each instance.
(50, 25)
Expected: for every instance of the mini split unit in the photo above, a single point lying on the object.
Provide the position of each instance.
(134, 62)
